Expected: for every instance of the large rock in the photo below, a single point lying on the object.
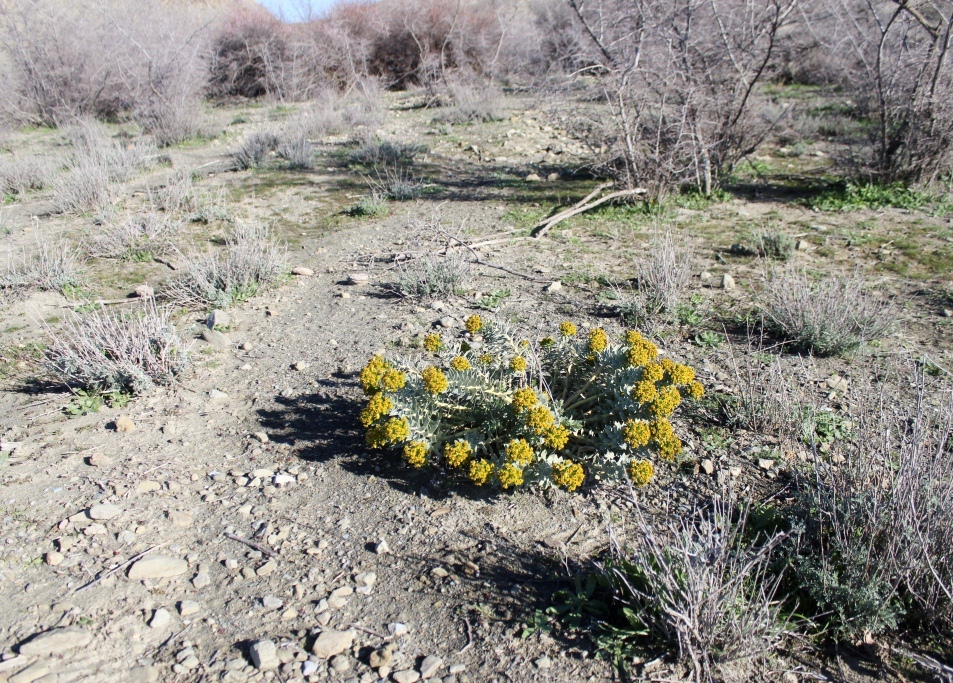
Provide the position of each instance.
(264, 655)
(104, 511)
(157, 567)
(55, 641)
(332, 642)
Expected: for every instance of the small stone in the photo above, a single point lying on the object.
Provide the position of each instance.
(543, 662)
(217, 318)
(358, 278)
(552, 177)
(271, 602)
(765, 463)
(837, 383)
(308, 668)
(366, 579)
(289, 614)
(104, 512)
(94, 530)
(302, 271)
(336, 602)
(457, 669)
(54, 558)
(267, 568)
(947, 313)
(282, 480)
(727, 282)
(190, 662)
(707, 466)
(144, 292)
(217, 395)
(55, 641)
(397, 629)
(264, 655)
(216, 339)
(430, 666)
(554, 286)
(188, 607)
(342, 592)
(180, 519)
(99, 460)
(246, 346)
(148, 486)
(382, 548)
(124, 424)
(262, 473)
(34, 672)
(440, 572)
(157, 567)
(263, 437)
(734, 471)
(332, 642)
(532, 178)
(160, 619)
(447, 321)
(382, 657)
(202, 580)
(340, 663)
(407, 676)
(301, 365)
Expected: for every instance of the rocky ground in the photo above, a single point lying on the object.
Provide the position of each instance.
(235, 527)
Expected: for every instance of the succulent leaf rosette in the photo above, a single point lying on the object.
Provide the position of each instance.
(507, 413)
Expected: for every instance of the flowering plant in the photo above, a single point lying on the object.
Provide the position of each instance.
(507, 413)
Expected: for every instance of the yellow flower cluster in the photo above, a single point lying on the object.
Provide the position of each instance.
(518, 364)
(557, 437)
(460, 363)
(641, 472)
(432, 342)
(696, 390)
(666, 443)
(598, 340)
(379, 375)
(567, 329)
(568, 474)
(666, 403)
(435, 382)
(518, 451)
(510, 475)
(457, 453)
(653, 372)
(486, 359)
(640, 351)
(677, 373)
(644, 391)
(415, 453)
(636, 434)
(481, 471)
(546, 342)
(523, 399)
(377, 407)
(474, 324)
(540, 419)
(394, 430)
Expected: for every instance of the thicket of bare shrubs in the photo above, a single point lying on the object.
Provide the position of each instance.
(47, 266)
(20, 174)
(138, 238)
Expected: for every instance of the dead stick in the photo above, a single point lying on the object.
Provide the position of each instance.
(369, 631)
(543, 227)
(589, 197)
(469, 638)
(251, 544)
(476, 259)
(118, 567)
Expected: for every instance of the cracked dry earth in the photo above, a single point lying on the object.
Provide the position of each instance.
(262, 443)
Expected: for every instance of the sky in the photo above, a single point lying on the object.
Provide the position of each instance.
(297, 10)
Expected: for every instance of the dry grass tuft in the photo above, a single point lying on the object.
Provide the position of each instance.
(47, 267)
(137, 238)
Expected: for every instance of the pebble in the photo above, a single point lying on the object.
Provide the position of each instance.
(144, 291)
(271, 602)
(247, 346)
(340, 663)
(366, 579)
(263, 437)
(332, 642)
(358, 278)
(408, 676)
(382, 657)
(217, 318)
(308, 668)
(217, 395)
(382, 548)
(302, 271)
(301, 365)
(99, 460)
(188, 607)
(32, 673)
(160, 619)
(54, 558)
(543, 662)
(532, 178)
(267, 568)
(283, 480)
(94, 530)
(447, 321)
(125, 424)
(765, 463)
(55, 641)
(180, 519)
(264, 655)
(708, 467)
(554, 286)
(262, 473)
(837, 383)
(202, 580)
(430, 666)
(157, 567)
(457, 669)
(148, 486)
(397, 629)
(727, 282)
(216, 339)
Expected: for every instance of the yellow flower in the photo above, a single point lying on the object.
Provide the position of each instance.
(663, 438)
(568, 474)
(435, 382)
(510, 475)
(375, 437)
(644, 391)
(378, 406)
(598, 340)
(567, 329)
(460, 363)
(696, 390)
(641, 472)
(520, 452)
(432, 342)
(480, 471)
(632, 336)
(636, 434)
(680, 374)
(415, 453)
(641, 352)
(546, 342)
(474, 324)
(653, 372)
(523, 399)
(524, 343)
(557, 438)
(457, 452)
(518, 364)
(373, 373)
(395, 430)
(666, 403)
(393, 380)
(540, 419)
(486, 359)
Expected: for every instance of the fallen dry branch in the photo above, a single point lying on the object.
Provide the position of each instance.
(587, 204)
(251, 544)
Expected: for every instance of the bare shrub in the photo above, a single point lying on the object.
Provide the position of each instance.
(664, 273)
(250, 262)
(876, 552)
(48, 266)
(255, 149)
(766, 402)
(371, 205)
(178, 194)
(776, 245)
(472, 102)
(296, 150)
(434, 276)
(137, 238)
(829, 317)
(379, 151)
(210, 206)
(394, 182)
(702, 585)
(125, 352)
(19, 175)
